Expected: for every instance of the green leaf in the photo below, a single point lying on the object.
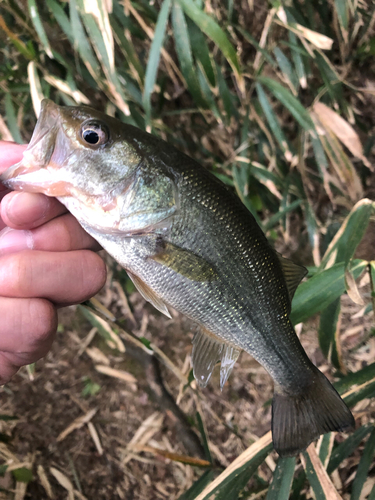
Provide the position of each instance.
(61, 18)
(213, 31)
(286, 68)
(198, 486)
(204, 437)
(272, 221)
(81, 43)
(272, 120)
(358, 378)
(282, 479)
(7, 418)
(231, 488)
(183, 49)
(347, 447)
(297, 59)
(363, 467)
(350, 233)
(290, 102)
(154, 56)
(328, 329)
(12, 119)
(200, 50)
(35, 18)
(23, 474)
(322, 289)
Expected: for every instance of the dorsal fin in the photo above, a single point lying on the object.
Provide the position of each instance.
(148, 294)
(207, 351)
(293, 274)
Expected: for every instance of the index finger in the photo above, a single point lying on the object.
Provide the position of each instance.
(10, 153)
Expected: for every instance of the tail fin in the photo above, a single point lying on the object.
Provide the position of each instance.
(297, 420)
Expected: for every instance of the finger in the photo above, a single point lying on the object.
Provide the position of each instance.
(29, 210)
(62, 234)
(61, 277)
(11, 153)
(27, 331)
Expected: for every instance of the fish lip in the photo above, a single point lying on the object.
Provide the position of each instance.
(40, 149)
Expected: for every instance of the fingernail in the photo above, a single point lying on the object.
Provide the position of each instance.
(12, 240)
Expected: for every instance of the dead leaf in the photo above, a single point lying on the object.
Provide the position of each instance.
(77, 424)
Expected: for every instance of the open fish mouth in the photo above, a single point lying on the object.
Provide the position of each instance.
(35, 172)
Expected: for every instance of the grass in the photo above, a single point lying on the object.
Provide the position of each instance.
(276, 100)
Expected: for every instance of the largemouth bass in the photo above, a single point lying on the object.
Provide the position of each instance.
(188, 242)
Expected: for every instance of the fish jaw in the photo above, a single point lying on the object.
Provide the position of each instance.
(36, 172)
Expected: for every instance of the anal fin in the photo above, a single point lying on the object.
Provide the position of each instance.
(208, 349)
(148, 294)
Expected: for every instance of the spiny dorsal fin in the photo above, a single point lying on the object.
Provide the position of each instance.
(207, 351)
(184, 262)
(148, 294)
(293, 274)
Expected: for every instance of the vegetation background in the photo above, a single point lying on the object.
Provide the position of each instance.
(277, 99)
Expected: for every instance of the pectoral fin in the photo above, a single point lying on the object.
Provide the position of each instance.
(207, 351)
(148, 294)
(293, 274)
(184, 262)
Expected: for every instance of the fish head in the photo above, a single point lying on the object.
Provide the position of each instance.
(80, 156)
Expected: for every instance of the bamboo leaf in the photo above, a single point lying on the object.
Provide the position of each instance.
(318, 478)
(12, 119)
(198, 486)
(273, 122)
(183, 49)
(347, 447)
(38, 25)
(154, 57)
(363, 467)
(329, 327)
(254, 454)
(282, 479)
(322, 289)
(290, 102)
(217, 35)
(350, 233)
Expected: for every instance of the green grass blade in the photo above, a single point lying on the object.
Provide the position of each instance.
(204, 437)
(198, 486)
(282, 479)
(363, 467)
(217, 35)
(297, 60)
(35, 18)
(322, 289)
(350, 233)
(313, 476)
(154, 56)
(290, 102)
(183, 49)
(10, 114)
(327, 331)
(255, 454)
(272, 121)
(200, 50)
(81, 43)
(287, 69)
(128, 49)
(347, 447)
(61, 18)
(272, 221)
(358, 378)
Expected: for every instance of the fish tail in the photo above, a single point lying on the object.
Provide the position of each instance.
(297, 420)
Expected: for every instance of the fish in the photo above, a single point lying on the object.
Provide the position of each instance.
(187, 242)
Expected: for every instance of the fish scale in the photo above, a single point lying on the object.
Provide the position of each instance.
(187, 242)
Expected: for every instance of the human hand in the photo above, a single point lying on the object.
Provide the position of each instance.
(45, 263)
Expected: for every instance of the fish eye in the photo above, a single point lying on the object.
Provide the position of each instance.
(94, 133)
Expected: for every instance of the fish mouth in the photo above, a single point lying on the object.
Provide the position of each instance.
(34, 173)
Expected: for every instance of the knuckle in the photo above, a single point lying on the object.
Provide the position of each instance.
(44, 320)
